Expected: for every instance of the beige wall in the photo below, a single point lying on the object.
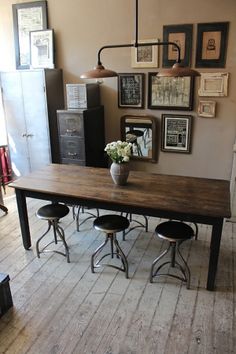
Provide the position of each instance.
(83, 26)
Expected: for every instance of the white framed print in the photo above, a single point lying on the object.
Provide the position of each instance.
(206, 109)
(213, 84)
(145, 56)
(41, 49)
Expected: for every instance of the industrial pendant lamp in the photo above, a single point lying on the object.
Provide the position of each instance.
(177, 69)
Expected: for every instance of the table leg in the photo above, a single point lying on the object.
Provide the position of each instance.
(214, 253)
(23, 217)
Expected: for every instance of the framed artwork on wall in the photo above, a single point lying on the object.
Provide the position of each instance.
(206, 109)
(41, 49)
(27, 16)
(211, 44)
(213, 84)
(170, 92)
(131, 90)
(176, 133)
(182, 36)
(145, 56)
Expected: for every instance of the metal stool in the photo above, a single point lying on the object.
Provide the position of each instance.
(176, 233)
(53, 213)
(137, 223)
(110, 224)
(83, 210)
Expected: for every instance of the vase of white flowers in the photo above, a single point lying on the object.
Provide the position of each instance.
(119, 152)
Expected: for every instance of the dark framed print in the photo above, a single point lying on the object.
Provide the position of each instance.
(211, 44)
(176, 133)
(170, 92)
(41, 49)
(27, 16)
(131, 90)
(182, 36)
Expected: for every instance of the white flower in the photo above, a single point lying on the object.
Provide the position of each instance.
(119, 151)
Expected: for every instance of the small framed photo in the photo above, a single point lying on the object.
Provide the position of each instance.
(213, 84)
(176, 133)
(182, 36)
(170, 92)
(211, 44)
(131, 90)
(145, 56)
(27, 16)
(207, 109)
(41, 49)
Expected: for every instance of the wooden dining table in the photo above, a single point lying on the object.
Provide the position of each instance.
(190, 199)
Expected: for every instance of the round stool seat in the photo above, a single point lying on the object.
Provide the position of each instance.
(174, 231)
(53, 211)
(111, 223)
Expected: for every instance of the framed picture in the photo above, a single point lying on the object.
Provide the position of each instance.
(182, 36)
(170, 92)
(207, 109)
(211, 44)
(41, 49)
(145, 56)
(27, 16)
(131, 90)
(213, 84)
(176, 133)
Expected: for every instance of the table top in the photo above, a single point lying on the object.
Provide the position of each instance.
(189, 195)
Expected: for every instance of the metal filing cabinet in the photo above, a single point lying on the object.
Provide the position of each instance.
(81, 136)
(31, 99)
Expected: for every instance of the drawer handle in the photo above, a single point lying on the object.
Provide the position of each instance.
(70, 130)
(72, 154)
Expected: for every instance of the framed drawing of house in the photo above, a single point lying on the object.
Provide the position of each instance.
(182, 36)
(176, 133)
(41, 49)
(211, 44)
(27, 16)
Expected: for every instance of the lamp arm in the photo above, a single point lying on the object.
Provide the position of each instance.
(138, 45)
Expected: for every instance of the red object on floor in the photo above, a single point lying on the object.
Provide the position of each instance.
(5, 166)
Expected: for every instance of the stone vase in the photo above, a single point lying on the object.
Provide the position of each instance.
(119, 173)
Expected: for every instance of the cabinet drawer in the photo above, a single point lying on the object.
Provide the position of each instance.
(71, 124)
(72, 148)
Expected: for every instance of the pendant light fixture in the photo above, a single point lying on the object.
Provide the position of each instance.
(177, 70)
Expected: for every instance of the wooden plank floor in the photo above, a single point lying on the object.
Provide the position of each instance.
(64, 308)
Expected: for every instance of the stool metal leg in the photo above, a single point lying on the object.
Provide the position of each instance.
(122, 256)
(61, 234)
(155, 262)
(174, 264)
(45, 233)
(119, 253)
(173, 250)
(58, 231)
(140, 224)
(187, 270)
(81, 210)
(196, 232)
(97, 251)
